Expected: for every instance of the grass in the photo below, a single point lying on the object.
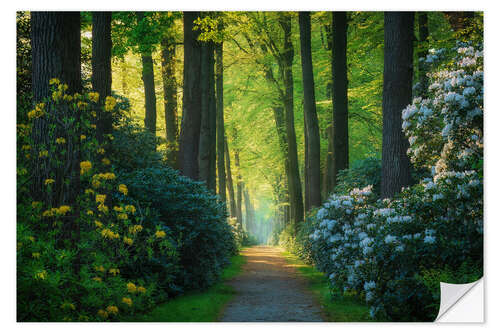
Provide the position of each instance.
(343, 309)
(199, 306)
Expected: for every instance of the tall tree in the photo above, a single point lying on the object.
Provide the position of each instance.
(189, 139)
(312, 165)
(239, 189)
(340, 130)
(219, 72)
(169, 95)
(101, 67)
(206, 157)
(397, 93)
(230, 187)
(55, 45)
(148, 79)
(295, 188)
(249, 212)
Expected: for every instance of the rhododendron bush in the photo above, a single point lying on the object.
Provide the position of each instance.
(394, 252)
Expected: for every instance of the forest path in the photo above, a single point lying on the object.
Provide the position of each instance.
(269, 289)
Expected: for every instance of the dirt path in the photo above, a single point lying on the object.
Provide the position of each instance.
(269, 289)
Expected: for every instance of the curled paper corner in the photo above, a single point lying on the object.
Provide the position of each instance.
(461, 303)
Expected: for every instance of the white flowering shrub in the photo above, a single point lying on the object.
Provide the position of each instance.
(393, 253)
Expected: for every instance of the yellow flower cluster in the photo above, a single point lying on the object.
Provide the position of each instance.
(26, 147)
(94, 96)
(82, 105)
(130, 209)
(98, 224)
(122, 216)
(43, 153)
(83, 137)
(141, 289)
(114, 271)
(127, 300)
(59, 93)
(100, 198)
(112, 309)
(106, 161)
(36, 255)
(85, 166)
(102, 313)
(41, 275)
(56, 211)
(109, 104)
(89, 212)
(60, 141)
(37, 112)
(54, 81)
(103, 208)
(160, 234)
(135, 229)
(123, 189)
(89, 191)
(101, 151)
(131, 288)
(49, 181)
(128, 241)
(106, 233)
(97, 279)
(67, 305)
(117, 209)
(35, 204)
(100, 269)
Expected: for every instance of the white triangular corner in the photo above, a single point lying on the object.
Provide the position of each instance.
(462, 303)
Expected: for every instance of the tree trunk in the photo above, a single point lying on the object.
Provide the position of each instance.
(220, 121)
(294, 185)
(312, 166)
(208, 118)
(189, 139)
(398, 70)
(249, 212)
(239, 189)
(101, 68)
(328, 183)
(230, 187)
(149, 85)
(423, 35)
(279, 119)
(340, 135)
(55, 47)
(169, 97)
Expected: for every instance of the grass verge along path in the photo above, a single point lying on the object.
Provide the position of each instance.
(343, 309)
(197, 306)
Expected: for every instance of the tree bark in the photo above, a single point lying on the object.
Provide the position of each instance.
(249, 212)
(101, 68)
(189, 139)
(239, 189)
(169, 97)
(397, 94)
(328, 184)
(279, 119)
(294, 185)
(55, 47)
(340, 135)
(312, 165)
(207, 151)
(149, 85)
(220, 120)
(230, 187)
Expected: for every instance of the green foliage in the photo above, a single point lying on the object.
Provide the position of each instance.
(197, 306)
(363, 173)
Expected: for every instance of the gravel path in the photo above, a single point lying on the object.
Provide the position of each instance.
(269, 289)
